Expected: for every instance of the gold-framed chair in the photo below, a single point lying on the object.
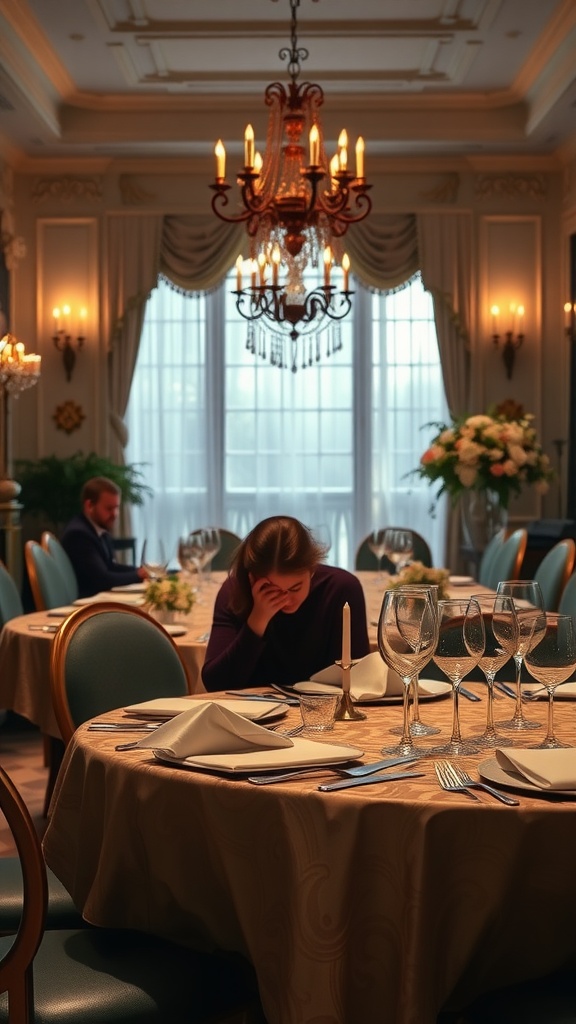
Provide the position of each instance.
(554, 572)
(506, 561)
(78, 976)
(366, 559)
(52, 545)
(108, 655)
(229, 541)
(48, 586)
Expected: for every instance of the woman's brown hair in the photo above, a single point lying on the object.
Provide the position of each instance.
(279, 544)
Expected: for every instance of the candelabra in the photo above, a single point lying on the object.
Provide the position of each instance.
(513, 338)
(18, 372)
(68, 345)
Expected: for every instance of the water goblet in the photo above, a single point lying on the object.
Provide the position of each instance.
(461, 640)
(398, 547)
(377, 547)
(407, 637)
(417, 726)
(529, 608)
(551, 661)
(212, 545)
(501, 629)
(154, 558)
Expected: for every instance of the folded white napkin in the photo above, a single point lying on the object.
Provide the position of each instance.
(168, 707)
(210, 729)
(370, 679)
(547, 769)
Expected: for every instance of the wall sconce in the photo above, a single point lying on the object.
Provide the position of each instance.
(63, 339)
(513, 338)
(570, 320)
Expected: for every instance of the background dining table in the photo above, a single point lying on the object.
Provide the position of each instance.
(383, 903)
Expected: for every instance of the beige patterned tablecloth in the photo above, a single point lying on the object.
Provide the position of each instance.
(376, 905)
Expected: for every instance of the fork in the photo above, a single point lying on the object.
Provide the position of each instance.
(461, 780)
(447, 783)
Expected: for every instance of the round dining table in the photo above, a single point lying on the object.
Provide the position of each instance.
(382, 903)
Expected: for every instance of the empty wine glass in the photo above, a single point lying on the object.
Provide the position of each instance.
(154, 558)
(461, 640)
(398, 547)
(551, 661)
(377, 547)
(407, 637)
(212, 545)
(417, 726)
(501, 629)
(529, 609)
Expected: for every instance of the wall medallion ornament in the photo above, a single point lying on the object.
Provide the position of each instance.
(69, 416)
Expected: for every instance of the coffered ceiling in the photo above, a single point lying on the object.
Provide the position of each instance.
(119, 79)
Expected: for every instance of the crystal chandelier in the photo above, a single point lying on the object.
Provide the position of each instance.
(18, 372)
(296, 214)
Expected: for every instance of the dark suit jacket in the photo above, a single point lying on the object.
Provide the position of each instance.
(93, 558)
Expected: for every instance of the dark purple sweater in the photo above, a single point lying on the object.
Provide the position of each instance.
(293, 646)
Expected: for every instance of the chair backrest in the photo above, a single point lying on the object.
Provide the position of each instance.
(16, 977)
(366, 559)
(554, 572)
(506, 563)
(567, 603)
(10, 600)
(491, 551)
(47, 584)
(229, 541)
(109, 655)
(52, 545)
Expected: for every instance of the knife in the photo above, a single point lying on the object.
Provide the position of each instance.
(369, 780)
(468, 694)
(507, 690)
(45, 629)
(358, 772)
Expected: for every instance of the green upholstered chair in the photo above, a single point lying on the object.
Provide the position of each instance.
(229, 541)
(548, 1000)
(554, 572)
(10, 600)
(490, 553)
(97, 975)
(366, 559)
(52, 545)
(506, 561)
(108, 655)
(567, 603)
(48, 586)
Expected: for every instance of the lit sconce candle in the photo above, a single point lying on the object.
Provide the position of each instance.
(360, 157)
(262, 265)
(275, 264)
(343, 149)
(82, 316)
(56, 319)
(495, 312)
(314, 146)
(253, 272)
(345, 271)
(520, 322)
(567, 314)
(258, 163)
(327, 265)
(249, 146)
(66, 318)
(220, 160)
(513, 316)
(239, 262)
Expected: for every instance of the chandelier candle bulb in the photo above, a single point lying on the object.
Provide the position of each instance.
(343, 149)
(275, 265)
(360, 158)
(495, 310)
(220, 152)
(249, 146)
(239, 262)
(327, 265)
(345, 271)
(253, 271)
(314, 146)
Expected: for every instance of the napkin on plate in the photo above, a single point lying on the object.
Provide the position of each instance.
(370, 679)
(547, 769)
(210, 729)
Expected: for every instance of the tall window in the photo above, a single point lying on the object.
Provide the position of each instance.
(227, 439)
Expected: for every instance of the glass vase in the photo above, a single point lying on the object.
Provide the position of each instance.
(482, 518)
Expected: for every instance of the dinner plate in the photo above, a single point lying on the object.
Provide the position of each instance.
(168, 707)
(174, 629)
(130, 588)
(491, 771)
(109, 595)
(564, 691)
(304, 753)
(61, 612)
(435, 688)
(461, 581)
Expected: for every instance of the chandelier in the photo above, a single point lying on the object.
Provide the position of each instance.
(297, 207)
(18, 372)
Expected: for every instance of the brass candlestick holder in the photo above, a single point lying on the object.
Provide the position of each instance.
(346, 711)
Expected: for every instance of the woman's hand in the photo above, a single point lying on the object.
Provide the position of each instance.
(268, 600)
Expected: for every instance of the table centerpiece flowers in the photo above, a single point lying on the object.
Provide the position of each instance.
(417, 572)
(168, 596)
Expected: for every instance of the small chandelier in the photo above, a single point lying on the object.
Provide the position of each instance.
(296, 214)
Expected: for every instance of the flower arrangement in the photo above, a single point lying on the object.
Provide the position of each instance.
(169, 594)
(417, 572)
(498, 451)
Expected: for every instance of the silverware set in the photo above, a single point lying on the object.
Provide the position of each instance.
(455, 780)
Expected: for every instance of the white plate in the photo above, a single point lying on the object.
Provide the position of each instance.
(461, 581)
(173, 629)
(130, 588)
(434, 688)
(491, 771)
(566, 691)
(168, 707)
(109, 595)
(61, 612)
(304, 753)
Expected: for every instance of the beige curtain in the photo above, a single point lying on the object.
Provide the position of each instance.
(197, 252)
(446, 263)
(383, 250)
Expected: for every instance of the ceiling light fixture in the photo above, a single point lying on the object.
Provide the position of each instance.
(296, 208)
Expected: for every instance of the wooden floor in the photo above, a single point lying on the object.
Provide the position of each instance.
(22, 756)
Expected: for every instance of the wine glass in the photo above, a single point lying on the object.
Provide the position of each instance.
(501, 628)
(551, 661)
(212, 545)
(154, 558)
(377, 547)
(529, 608)
(398, 547)
(417, 726)
(461, 639)
(407, 637)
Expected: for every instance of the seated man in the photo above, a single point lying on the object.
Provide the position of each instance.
(88, 544)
